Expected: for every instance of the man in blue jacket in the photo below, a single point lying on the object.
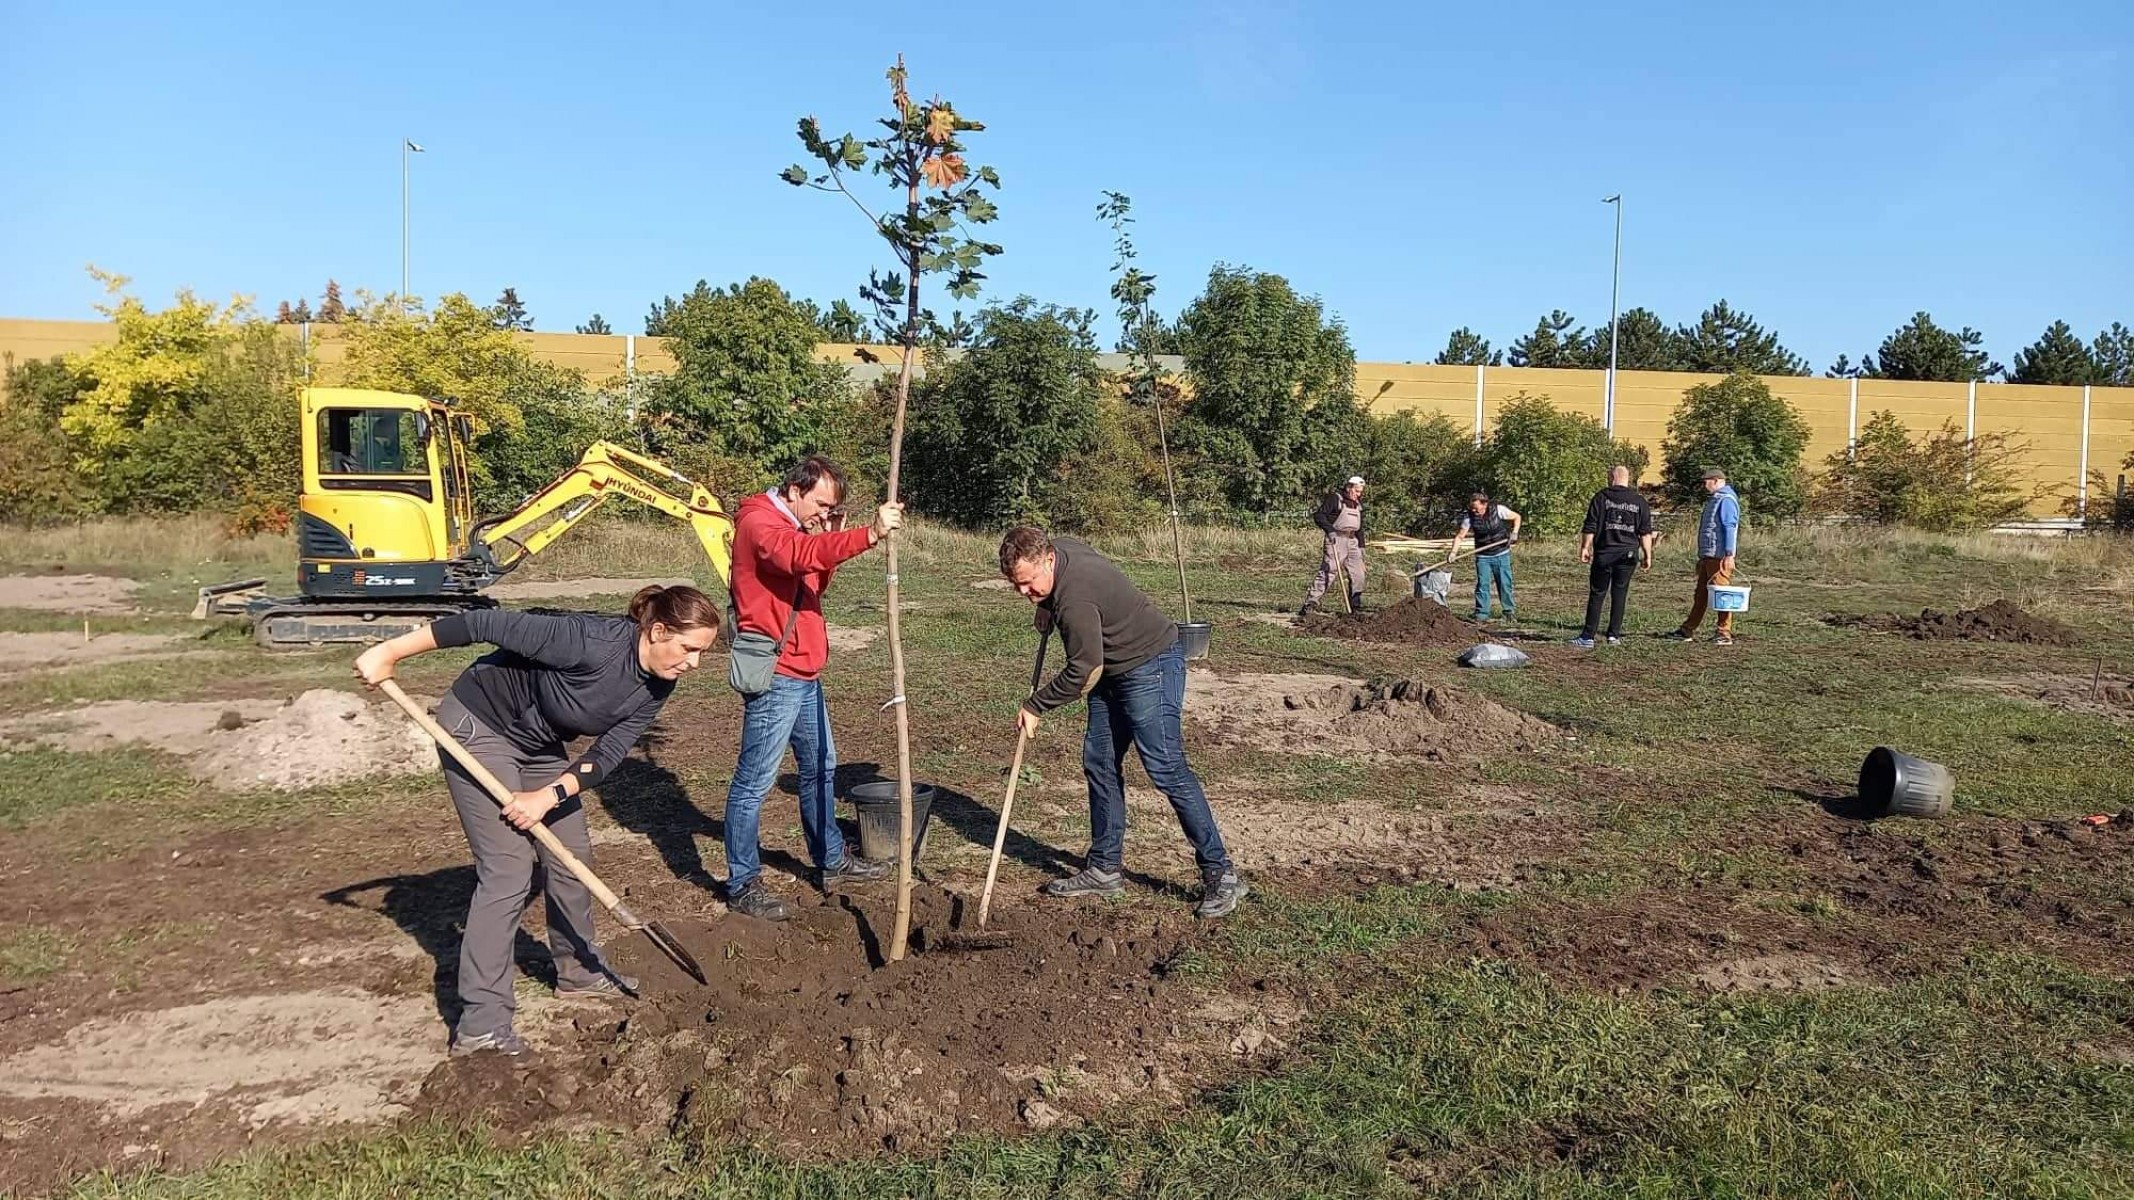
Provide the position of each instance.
(1718, 529)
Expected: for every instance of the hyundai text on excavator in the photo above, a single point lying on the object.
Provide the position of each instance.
(385, 530)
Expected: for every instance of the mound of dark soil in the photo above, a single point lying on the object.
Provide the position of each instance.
(1326, 714)
(2000, 621)
(1411, 621)
(801, 1041)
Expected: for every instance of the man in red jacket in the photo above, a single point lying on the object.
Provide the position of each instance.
(788, 543)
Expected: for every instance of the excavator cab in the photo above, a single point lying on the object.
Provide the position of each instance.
(385, 510)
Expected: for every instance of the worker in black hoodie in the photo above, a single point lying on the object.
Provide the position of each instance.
(1617, 542)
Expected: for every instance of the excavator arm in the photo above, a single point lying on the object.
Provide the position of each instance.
(606, 470)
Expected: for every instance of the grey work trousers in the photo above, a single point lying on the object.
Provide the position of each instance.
(507, 863)
(1342, 564)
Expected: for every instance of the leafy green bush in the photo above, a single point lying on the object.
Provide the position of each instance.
(38, 481)
(1547, 463)
(747, 387)
(559, 416)
(1739, 426)
(1944, 482)
(1420, 471)
(992, 432)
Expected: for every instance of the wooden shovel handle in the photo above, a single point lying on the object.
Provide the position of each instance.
(502, 795)
(1000, 834)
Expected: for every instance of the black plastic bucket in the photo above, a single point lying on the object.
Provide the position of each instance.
(1898, 785)
(876, 803)
(1193, 638)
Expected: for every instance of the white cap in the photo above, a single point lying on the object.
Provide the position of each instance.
(1355, 481)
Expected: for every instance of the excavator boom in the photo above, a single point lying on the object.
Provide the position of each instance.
(605, 470)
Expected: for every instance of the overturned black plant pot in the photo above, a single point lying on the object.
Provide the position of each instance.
(1898, 785)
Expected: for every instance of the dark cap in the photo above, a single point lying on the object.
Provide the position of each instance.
(1714, 473)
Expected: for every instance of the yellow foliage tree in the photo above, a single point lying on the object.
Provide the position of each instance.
(456, 352)
(155, 372)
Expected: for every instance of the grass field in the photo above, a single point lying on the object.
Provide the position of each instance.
(1658, 959)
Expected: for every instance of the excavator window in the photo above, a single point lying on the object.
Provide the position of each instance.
(371, 441)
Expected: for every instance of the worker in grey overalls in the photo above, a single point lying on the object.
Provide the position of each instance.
(1340, 518)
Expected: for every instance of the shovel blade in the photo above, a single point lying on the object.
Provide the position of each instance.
(672, 949)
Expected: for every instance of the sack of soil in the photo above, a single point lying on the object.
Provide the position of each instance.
(1434, 585)
(1492, 654)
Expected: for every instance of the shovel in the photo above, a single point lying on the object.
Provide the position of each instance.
(1007, 805)
(502, 795)
(1421, 571)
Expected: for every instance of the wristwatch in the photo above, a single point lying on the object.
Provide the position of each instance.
(562, 793)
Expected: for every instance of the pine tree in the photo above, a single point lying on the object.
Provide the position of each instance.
(2057, 357)
(331, 310)
(1844, 368)
(2114, 354)
(302, 313)
(509, 313)
(284, 315)
(597, 324)
(1466, 348)
(1725, 340)
(1925, 351)
(1643, 342)
(1554, 343)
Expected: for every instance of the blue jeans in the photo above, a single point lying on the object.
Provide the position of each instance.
(1496, 566)
(792, 713)
(1142, 709)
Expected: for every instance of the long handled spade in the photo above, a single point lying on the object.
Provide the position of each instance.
(1419, 571)
(1015, 774)
(502, 795)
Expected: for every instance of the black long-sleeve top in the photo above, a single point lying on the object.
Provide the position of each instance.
(554, 677)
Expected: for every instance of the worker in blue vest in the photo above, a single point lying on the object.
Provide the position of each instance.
(1493, 528)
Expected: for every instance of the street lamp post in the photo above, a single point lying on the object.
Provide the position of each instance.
(1615, 293)
(407, 147)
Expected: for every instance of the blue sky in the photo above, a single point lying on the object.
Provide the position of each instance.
(1829, 167)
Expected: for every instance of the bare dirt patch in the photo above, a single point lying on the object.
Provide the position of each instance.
(68, 593)
(323, 1057)
(1328, 714)
(318, 738)
(2096, 694)
(1476, 843)
(847, 639)
(1409, 621)
(993, 584)
(803, 1043)
(553, 589)
(57, 651)
(2000, 621)
(1781, 972)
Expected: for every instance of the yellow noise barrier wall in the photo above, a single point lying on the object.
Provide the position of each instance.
(2070, 431)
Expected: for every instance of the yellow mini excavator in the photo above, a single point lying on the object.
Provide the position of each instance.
(385, 530)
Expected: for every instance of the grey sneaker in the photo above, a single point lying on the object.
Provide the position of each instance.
(1087, 882)
(1614, 641)
(756, 901)
(1219, 895)
(505, 1041)
(854, 869)
(613, 986)
(1724, 639)
(1582, 642)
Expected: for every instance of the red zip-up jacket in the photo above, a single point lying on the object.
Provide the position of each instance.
(772, 560)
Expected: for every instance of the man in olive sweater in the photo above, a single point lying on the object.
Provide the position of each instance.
(1123, 657)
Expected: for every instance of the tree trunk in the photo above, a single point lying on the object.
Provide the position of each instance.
(896, 636)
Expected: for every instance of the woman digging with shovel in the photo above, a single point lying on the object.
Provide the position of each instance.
(553, 677)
